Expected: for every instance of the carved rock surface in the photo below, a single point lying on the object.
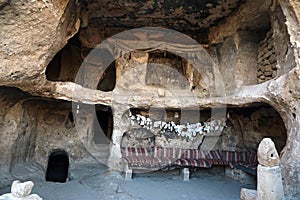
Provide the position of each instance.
(33, 32)
(267, 154)
(269, 183)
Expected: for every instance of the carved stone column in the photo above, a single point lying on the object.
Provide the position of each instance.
(269, 181)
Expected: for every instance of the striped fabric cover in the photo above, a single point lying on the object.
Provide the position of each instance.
(192, 163)
(164, 152)
(136, 151)
(139, 161)
(176, 153)
(213, 155)
(162, 157)
(148, 161)
(234, 156)
(252, 158)
(190, 154)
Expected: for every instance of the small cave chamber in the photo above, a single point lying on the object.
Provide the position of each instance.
(167, 65)
(231, 135)
(165, 127)
(58, 167)
(103, 124)
(66, 63)
(152, 68)
(247, 126)
(107, 81)
(89, 68)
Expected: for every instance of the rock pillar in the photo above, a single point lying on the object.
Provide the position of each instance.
(269, 181)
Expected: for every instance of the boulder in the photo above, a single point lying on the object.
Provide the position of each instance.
(19, 189)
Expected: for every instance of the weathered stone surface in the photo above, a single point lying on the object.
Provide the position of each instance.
(161, 92)
(34, 31)
(240, 176)
(267, 154)
(29, 197)
(269, 183)
(247, 194)
(19, 189)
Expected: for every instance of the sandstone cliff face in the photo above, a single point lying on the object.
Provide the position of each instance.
(253, 44)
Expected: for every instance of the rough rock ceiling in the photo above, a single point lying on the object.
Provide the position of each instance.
(181, 15)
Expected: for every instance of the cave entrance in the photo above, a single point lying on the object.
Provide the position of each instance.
(58, 167)
(229, 141)
(107, 81)
(103, 124)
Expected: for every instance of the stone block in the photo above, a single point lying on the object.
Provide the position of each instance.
(128, 174)
(140, 56)
(262, 77)
(19, 189)
(268, 68)
(185, 173)
(247, 194)
(240, 176)
(269, 183)
(268, 73)
(161, 92)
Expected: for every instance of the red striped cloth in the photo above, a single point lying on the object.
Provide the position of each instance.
(165, 152)
(252, 158)
(190, 154)
(147, 161)
(136, 151)
(234, 156)
(210, 155)
(162, 157)
(192, 163)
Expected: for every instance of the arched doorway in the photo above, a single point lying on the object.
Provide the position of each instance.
(58, 167)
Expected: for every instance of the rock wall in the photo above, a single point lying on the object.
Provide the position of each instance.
(33, 128)
(34, 31)
(248, 126)
(267, 61)
(237, 57)
(242, 130)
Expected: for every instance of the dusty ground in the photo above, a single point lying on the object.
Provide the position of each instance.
(95, 182)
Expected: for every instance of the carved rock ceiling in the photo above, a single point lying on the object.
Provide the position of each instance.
(184, 16)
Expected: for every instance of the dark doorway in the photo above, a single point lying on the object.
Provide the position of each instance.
(58, 166)
(103, 125)
(108, 80)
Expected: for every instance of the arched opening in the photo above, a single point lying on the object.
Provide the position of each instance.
(66, 63)
(58, 167)
(103, 124)
(167, 65)
(108, 80)
(232, 137)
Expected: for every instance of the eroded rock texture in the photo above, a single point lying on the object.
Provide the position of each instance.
(248, 56)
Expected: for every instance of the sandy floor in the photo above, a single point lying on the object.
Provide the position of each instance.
(94, 182)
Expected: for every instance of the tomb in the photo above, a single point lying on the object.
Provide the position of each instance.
(106, 80)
